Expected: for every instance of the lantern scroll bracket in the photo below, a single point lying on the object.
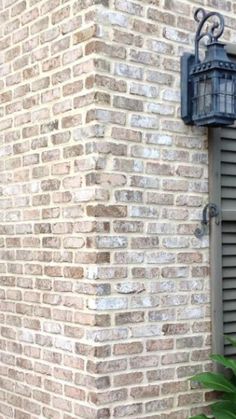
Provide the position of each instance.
(214, 33)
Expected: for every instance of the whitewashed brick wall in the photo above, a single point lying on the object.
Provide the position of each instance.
(105, 301)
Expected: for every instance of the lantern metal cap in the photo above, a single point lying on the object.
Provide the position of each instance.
(216, 57)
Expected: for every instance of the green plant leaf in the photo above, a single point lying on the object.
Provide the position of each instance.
(215, 382)
(227, 362)
(200, 417)
(230, 397)
(231, 340)
(224, 410)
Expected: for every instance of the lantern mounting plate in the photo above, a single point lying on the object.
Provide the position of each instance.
(187, 62)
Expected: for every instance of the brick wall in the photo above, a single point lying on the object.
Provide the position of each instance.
(104, 290)
(47, 233)
(155, 172)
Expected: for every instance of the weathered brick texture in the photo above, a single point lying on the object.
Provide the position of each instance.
(47, 155)
(105, 302)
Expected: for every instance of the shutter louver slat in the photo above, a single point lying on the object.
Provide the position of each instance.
(228, 181)
(228, 239)
(229, 229)
(228, 215)
(229, 209)
(229, 250)
(228, 169)
(230, 317)
(229, 350)
(228, 145)
(229, 193)
(229, 295)
(229, 306)
(227, 133)
(230, 327)
(228, 157)
(229, 281)
(228, 262)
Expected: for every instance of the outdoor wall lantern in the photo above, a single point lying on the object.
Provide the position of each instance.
(208, 87)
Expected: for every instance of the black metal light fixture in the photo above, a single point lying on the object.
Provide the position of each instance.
(208, 87)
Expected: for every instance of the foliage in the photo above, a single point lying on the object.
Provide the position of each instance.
(226, 407)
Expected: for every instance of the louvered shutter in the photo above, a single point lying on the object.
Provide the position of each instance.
(223, 240)
(228, 205)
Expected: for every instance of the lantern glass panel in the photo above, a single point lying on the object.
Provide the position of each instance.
(226, 94)
(214, 95)
(206, 90)
(203, 96)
